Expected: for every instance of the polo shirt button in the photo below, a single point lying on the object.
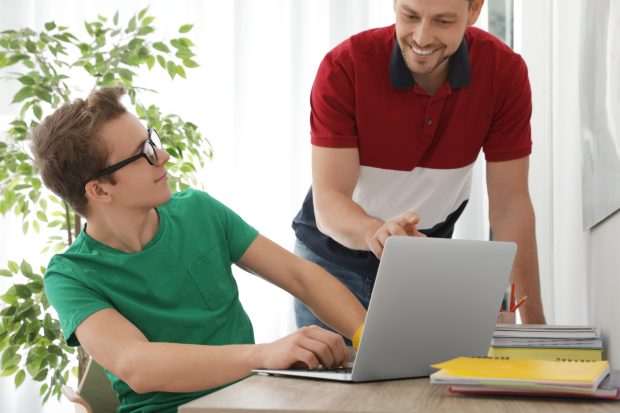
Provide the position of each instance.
(429, 122)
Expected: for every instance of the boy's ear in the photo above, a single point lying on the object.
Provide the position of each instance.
(96, 192)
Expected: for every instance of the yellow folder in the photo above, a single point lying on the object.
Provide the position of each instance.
(526, 370)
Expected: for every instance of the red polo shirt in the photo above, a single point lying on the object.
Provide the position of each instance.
(416, 151)
(364, 96)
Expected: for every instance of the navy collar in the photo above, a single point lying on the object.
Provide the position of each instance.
(458, 74)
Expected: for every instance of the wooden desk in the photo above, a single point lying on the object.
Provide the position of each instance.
(278, 394)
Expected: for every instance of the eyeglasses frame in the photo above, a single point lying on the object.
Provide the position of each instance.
(113, 168)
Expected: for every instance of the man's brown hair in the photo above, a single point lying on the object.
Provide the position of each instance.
(67, 148)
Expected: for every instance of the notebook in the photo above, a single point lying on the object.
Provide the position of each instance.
(434, 299)
(522, 376)
(608, 389)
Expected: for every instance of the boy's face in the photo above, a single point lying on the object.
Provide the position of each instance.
(430, 31)
(139, 184)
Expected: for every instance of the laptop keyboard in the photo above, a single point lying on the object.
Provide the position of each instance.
(322, 369)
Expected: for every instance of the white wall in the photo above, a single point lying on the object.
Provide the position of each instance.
(586, 262)
(579, 269)
(604, 283)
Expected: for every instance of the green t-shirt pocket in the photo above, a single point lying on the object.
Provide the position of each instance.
(213, 278)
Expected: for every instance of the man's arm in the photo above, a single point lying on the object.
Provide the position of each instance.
(329, 299)
(512, 219)
(121, 348)
(334, 175)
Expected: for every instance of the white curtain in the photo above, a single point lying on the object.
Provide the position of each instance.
(250, 96)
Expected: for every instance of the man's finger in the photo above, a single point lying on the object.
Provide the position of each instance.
(409, 218)
(394, 228)
(376, 247)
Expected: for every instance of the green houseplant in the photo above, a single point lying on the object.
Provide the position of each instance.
(43, 64)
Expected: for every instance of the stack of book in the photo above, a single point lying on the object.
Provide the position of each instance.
(546, 342)
(528, 378)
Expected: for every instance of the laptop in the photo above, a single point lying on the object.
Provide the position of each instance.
(434, 299)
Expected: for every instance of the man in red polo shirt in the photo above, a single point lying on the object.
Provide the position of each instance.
(399, 116)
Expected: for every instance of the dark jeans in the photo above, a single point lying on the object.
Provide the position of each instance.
(359, 285)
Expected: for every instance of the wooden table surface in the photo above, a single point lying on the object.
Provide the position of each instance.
(262, 394)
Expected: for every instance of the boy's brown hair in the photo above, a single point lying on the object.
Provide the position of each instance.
(67, 148)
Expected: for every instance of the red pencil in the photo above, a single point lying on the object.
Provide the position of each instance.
(517, 305)
(512, 297)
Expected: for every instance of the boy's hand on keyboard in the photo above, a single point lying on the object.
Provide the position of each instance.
(306, 348)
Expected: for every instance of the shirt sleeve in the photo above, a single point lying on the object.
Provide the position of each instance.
(332, 102)
(238, 234)
(72, 300)
(510, 135)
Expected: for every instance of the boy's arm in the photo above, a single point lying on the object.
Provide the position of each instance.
(329, 299)
(121, 348)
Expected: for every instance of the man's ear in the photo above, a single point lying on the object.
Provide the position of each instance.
(97, 192)
(474, 11)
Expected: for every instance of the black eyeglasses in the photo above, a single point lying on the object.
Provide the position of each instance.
(148, 152)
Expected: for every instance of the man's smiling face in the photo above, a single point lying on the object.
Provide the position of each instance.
(430, 31)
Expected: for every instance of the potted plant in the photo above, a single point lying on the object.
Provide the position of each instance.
(43, 63)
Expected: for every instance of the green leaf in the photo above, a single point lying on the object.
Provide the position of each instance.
(190, 63)
(172, 69)
(19, 378)
(126, 74)
(184, 54)
(35, 286)
(142, 12)
(176, 43)
(31, 46)
(150, 61)
(10, 370)
(162, 61)
(161, 47)
(13, 267)
(107, 79)
(5, 273)
(134, 43)
(37, 111)
(26, 80)
(186, 42)
(42, 94)
(181, 72)
(148, 20)
(8, 311)
(185, 28)
(40, 376)
(22, 291)
(26, 269)
(10, 357)
(50, 26)
(115, 19)
(22, 94)
(131, 26)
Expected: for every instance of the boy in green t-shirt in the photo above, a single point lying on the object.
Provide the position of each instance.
(147, 289)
